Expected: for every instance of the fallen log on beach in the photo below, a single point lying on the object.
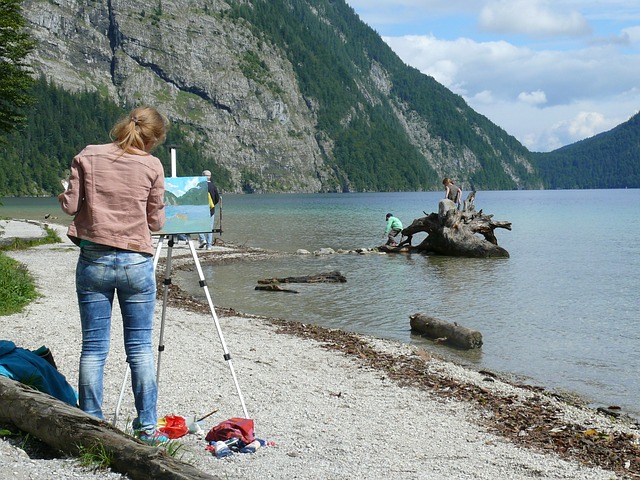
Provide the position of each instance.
(68, 429)
(445, 332)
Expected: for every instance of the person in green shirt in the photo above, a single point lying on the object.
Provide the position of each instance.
(394, 227)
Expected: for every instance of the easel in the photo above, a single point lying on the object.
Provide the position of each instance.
(203, 284)
(167, 281)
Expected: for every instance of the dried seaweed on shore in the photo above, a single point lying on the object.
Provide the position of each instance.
(535, 422)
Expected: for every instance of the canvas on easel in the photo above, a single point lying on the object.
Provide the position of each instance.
(186, 206)
(186, 211)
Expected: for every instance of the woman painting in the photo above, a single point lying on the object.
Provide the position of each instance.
(115, 193)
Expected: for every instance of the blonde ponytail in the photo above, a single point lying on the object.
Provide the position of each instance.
(143, 129)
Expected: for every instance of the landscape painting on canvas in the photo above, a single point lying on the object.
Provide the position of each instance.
(186, 206)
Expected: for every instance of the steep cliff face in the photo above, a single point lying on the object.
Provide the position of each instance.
(236, 91)
(191, 62)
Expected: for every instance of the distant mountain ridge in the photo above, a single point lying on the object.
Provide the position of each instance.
(282, 96)
(271, 96)
(608, 160)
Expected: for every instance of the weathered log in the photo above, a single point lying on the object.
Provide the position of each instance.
(449, 333)
(456, 232)
(326, 277)
(274, 287)
(68, 429)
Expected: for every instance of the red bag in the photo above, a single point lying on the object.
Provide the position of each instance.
(240, 428)
(175, 427)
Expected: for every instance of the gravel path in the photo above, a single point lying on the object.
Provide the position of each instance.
(329, 416)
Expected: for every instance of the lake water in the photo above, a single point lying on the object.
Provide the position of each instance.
(560, 312)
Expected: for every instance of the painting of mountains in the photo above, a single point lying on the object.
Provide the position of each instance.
(186, 206)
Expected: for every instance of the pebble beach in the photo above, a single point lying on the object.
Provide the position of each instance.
(326, 403)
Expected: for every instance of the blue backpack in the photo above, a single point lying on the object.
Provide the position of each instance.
(28, 367)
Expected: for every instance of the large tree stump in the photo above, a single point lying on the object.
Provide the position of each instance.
(68, 429)
(450, 333)
(458, 233)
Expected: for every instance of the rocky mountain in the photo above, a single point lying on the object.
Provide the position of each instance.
(286, 95)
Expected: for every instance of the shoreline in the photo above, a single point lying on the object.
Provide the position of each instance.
(336, 404)
(184, 262)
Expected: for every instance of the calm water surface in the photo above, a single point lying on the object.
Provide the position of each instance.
(562, 311)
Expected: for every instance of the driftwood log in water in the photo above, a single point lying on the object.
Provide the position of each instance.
(273, 287)
(273, 284)
(445, 332)
(68, 429)
(327, 277)
(456, 233)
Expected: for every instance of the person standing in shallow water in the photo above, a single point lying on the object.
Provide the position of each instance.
(115, 192)
(452, 191)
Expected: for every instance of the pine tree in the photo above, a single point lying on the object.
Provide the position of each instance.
(15, 78)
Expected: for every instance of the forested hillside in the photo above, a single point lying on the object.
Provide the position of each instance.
(375, 152)
(59, 125)
(608, 160)
(273, 96)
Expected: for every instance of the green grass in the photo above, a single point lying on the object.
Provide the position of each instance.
(17, 287)
(100, 458)
(18, 244)
(174, 448)
(96, 457)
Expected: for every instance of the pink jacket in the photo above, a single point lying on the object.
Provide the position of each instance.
(116, 198)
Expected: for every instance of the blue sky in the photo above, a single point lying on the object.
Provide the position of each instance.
(550, 73)
(181, 185)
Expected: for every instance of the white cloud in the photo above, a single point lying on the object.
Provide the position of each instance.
(531, 17)
(582, 125)
(485, 96)
(533, 98)
(586, 124)
(499, 80)
(632, 34)
(549, 128)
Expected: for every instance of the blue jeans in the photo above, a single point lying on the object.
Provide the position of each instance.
(208, 237)
(102, 271)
